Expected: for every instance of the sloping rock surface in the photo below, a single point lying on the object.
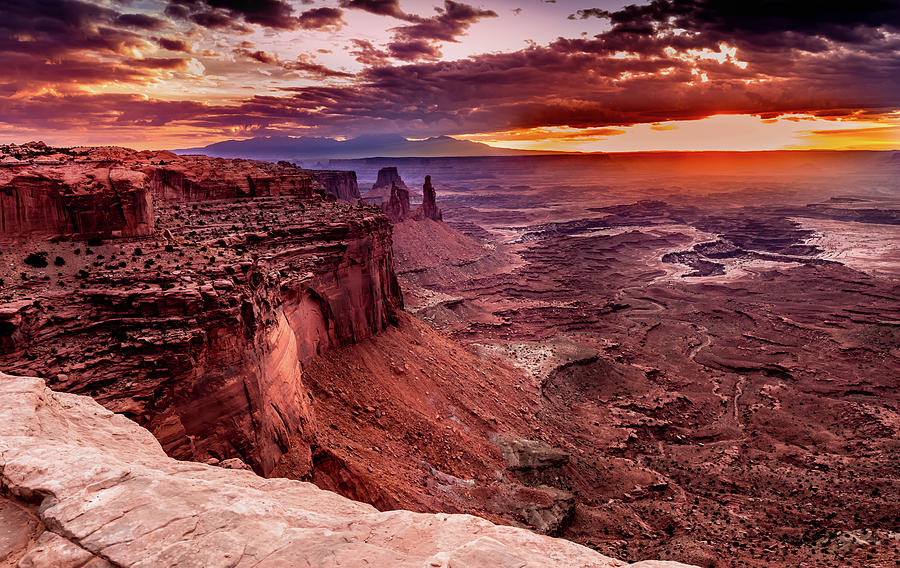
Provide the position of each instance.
(106, 494)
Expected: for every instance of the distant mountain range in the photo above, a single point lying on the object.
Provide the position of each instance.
(292, 148)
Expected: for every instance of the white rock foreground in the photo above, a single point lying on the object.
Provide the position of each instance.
(103, 493)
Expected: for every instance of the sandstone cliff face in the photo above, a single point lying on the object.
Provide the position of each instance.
(87, 202)
(201, 335)
(87, 487)
(109, 191)
(201, 178)
(340, 185)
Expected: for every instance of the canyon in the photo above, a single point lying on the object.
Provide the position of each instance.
(621, 367)
(711, 338)
(230, 324)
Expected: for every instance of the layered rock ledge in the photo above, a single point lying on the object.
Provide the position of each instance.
(82, 486)
(198, 322)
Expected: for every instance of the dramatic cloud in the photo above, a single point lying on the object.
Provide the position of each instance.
(276, 14)
(421, 40)
(141, 21)
(174, 44)
(367, 54)
(320, 19)
(305, 64)
(250, 66)
(378, 7)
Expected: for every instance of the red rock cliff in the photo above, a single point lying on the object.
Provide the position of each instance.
(201, 332)
(397, 207)
(193, 178)
(340, 185)
(387, 178)
(74, 199)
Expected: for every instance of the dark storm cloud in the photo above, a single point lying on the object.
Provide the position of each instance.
(276, 14)
(55, 27)
(763, 24)
(141, 21)
(60, 42)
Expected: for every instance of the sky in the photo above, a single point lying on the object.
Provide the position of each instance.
(576, 75)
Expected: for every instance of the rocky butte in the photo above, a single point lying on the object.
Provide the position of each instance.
(429, 208)
(381, 190)
(397, 208)
(229, 313)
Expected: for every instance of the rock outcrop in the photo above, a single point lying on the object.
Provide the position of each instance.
(339, 185)
(82, 201)
(397, 207)
(200, 331)
(108, 191)
(387, 178)
(201, 343)
(195, 178)
(429, 208)
(86, 487)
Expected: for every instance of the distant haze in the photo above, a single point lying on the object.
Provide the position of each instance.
(293, 148)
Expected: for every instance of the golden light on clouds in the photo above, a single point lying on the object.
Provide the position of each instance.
(722, 132)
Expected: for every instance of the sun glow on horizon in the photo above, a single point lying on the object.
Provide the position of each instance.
(715, 133)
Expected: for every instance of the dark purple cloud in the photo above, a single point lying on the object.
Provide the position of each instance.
(174, 44)
(379, 8)
(320, 19)
(141, 21)
(762, 24)
(277, 14)
(304, 64)
(366, 53)
(451, 21)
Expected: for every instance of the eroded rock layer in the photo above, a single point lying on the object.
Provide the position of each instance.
(397, 207)
(429, 208)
